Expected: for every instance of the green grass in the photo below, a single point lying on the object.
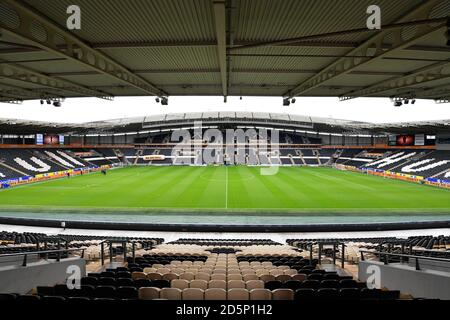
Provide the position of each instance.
(239, 189)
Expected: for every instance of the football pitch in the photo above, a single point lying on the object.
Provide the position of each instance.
(230, 189)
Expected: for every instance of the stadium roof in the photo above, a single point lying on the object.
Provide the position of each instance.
(224, 119)
(216, 47)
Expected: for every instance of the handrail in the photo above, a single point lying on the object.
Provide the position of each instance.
(25, 254)
(400, 255)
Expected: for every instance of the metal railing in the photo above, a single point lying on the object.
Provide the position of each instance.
(45, 252)
(384, 257)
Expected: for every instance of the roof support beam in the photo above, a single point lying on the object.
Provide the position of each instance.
(372, 48)
(436, 71)
(220, 23)
(306, 39)
(12, 71)
(55, 39)
(8, 90)
(143, 45)
(438, 93)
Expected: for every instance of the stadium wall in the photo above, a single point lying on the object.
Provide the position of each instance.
(49, 176)
(441, 183)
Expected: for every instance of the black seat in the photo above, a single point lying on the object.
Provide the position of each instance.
(348, 283)
(329, 284)
(138, 283)
(305, 294)
(45, 290)
(274, 284)
(53, 299)
(123, 274)
(161, 284)
(327, 293)
(78, 299)
(331, 276)
(313, 284)
(122, 269)
(107, 281)
(370, 294)
(125, 282)
(7, 297)
(105, 292)
(85, 291)
(389, 295)
(292, 284)
(94, 274)
(61, 290)
(315, 276)
(349, 293)
(93, 281)
(27, 298)
(107, 274)
(127, 292)
(304, 271)
(319, 271)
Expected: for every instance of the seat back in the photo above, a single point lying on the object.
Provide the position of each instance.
(149, 293)
(222, 284)
(193, 294)
(179, 283)
(170, 293)
(254, 284)
(282, 294)
(238, 294)
(215, 294)
(260, 294)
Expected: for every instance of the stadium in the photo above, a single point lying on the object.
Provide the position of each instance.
(221, 205)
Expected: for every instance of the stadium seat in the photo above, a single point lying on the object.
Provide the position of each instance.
(171, 293)
(238, 294)
(215, 294)
(282, 294)
(193, 294)
(149, 293)
(260, 294)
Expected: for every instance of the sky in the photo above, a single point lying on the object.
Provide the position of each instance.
(79, 110)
